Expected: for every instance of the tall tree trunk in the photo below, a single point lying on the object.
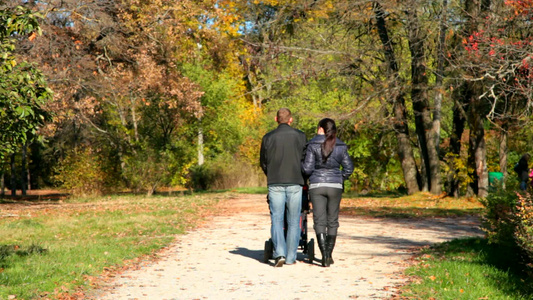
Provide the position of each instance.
(479, 150)
(13, 176)
(24, 170)
(200, 145)
(472, 188)
(2, 183)
(475, 12)
(503, 149)
(439, 75)
(405, 150)
(134, 118)
(419, 96)
(455, 149)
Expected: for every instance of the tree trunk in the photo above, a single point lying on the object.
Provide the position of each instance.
(200, 145)
(13, 176)
(439, 75)
(134, 119)
(422, 112)
(503, 149)
(476, 12)
(472, 188)
(481, 162)
(405, 150)
(2, 183)
(455, 149)
(477, 160)
(24, 169)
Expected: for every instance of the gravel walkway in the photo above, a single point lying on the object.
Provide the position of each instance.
(223, 259)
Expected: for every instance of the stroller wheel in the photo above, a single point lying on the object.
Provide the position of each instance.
(267, 254)
(311, 251)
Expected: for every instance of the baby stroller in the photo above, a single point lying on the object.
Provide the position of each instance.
(307, 247)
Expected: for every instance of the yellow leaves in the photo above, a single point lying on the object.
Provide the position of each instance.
(432, 278)
(32, 36)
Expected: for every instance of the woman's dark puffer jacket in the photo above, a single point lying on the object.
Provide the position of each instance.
(328, 172)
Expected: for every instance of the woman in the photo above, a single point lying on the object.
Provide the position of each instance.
(522, 170)
(325, 155)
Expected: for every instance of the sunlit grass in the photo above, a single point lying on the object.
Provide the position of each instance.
(413, 206)
(252, 190)
(83, 236)
(468, 269)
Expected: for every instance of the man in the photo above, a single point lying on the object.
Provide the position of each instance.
(280, 158)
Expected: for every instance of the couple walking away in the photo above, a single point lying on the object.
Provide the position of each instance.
(286, 159)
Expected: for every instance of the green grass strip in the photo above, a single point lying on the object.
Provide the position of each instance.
(468, 269)
(59, 248)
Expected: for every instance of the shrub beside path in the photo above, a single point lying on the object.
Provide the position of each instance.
(222, 259)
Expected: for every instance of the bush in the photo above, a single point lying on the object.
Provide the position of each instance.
(85, 173)
(145, 170)
(225, 173)
(499, 220)
(201, 177)
(508, 222)
(524, 226)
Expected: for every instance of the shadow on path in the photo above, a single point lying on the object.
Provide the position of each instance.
(253, 254)
(426, 232)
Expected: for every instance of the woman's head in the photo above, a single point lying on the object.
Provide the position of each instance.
(330, 132)
(328, 125)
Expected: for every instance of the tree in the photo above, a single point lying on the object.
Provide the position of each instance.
(405, 151)
(23, 89)
(117, 65)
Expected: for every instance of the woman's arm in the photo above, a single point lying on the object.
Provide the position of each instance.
(308, 164)
(347, 165)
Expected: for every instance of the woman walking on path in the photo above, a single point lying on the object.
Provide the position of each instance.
(522, 170)
(324, 157)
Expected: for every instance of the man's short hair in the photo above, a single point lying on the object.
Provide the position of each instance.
(284, 115)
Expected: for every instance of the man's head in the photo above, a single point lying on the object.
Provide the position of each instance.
(284, 116)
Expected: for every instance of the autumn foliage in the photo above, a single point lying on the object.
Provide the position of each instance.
(508, 223)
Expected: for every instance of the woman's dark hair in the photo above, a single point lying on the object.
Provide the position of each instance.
(330, 131)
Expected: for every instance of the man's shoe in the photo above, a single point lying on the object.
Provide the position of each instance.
(279, 262)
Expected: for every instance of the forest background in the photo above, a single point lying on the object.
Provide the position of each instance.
(100, 96)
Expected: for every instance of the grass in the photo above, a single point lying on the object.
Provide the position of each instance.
(421, 205)
(468, 269)
(59, 248)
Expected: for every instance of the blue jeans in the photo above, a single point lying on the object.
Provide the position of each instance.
(523, 185)
(289, 197)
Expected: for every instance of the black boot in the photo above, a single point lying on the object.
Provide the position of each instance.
(321, 240)
(330, 244)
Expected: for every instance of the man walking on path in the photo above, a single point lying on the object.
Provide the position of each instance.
(280, 158)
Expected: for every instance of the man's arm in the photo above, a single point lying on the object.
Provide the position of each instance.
(262, 156)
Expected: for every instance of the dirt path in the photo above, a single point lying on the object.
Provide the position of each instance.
(223, 259)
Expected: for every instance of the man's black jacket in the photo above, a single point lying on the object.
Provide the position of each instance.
(281, 155)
